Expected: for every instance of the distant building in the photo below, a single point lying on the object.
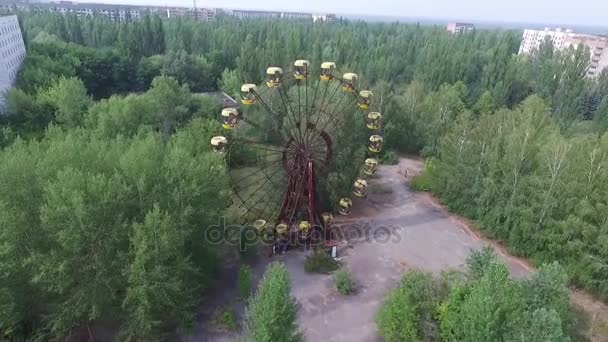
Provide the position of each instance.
(112, 12)
(243, 14)
(12, 53)
(460, 27)
(563, 39)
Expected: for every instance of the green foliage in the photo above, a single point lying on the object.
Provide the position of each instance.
(389, 158)
(424, 180)
(407, 313)
(320, 262)
(483, 304)
(535, 307)
(245, 280)
(90, 234)
(271, 313)
(226, 319)
(344, 283)
(68, 96)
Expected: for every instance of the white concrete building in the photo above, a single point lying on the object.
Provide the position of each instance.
(12, 53)
(460, 27)
(563, 39)
(533, 39)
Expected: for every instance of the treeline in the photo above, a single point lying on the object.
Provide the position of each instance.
(481, 304)
(542, 192)
(199, 53)
(104, 218)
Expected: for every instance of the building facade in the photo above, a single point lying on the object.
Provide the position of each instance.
(112, 12)
(12, 53)
(460, 27)
(563, 39)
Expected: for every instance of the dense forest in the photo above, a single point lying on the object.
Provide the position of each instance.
(108, 182)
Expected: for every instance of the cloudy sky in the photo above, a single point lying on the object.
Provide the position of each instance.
(581, 12)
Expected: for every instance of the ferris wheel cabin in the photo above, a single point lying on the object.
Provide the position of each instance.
(376, 142)
(350, 82)
(248, 94)
(360, 187)
(346, 205)
(219, 144)
(300, 72)
(327, 71)
(373, 120)
(365, 99)
(230, 118)
(371, 166)
(275, 77)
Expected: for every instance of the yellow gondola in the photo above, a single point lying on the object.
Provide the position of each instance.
(365, 99)
(327, 71)
(230, 118)
(350, 82)
(346, 205)
(327, 218)
(282, 228)
(376, 142)
(219, 144)
(371, 166)
(304, 227)
(360, 188)
(373, 120)
(259, 226)
(275, 76)
(248, 94)
(301, 69)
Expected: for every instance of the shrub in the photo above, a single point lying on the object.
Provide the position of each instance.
(271, 314)
(245, 281)
(344, 283)
(389, 158)
(320, 262)
(226, 319)
(424, 181)
(407, 313)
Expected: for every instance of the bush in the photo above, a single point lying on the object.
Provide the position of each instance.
(344, 283)
(226, 319)
(424, 181)
(245, 281)
(389, 158)
(407, 314)
(320, 262)
(271, 314)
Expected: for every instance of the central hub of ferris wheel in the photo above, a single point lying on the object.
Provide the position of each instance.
(290, 135)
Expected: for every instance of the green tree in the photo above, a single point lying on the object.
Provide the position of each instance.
(407, 313)
(69, 98)
(271, 313)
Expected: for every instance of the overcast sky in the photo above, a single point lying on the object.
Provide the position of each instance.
(581, 12)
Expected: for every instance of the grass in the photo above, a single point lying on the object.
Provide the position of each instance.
(344, 283)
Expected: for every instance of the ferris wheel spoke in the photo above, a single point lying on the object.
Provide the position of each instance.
(271, 198)
(339, 124)
(261, 170)
(256, 145)
(270, 132)
(287, 107)
(268, 108)
(320, 109)
(258, 188)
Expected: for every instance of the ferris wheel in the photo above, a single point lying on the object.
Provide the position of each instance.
(283, 141)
